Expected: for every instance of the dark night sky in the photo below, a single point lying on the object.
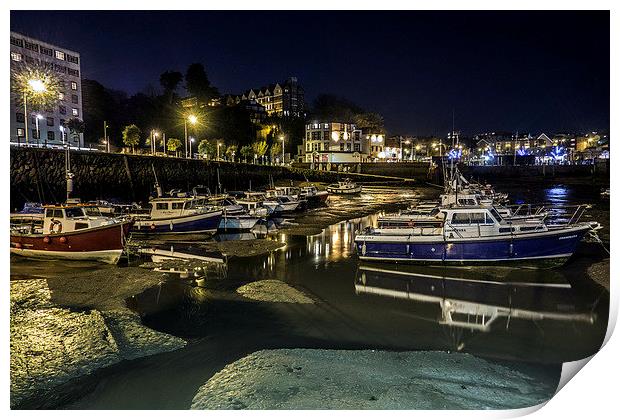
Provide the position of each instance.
(525, 71)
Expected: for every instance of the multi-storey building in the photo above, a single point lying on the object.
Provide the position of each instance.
(329, 143)
(25, 52)
(284, 99)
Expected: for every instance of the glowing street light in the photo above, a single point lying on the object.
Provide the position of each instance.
(38, 117)
(401, 147)
(218, 150)
(191, 141)
(192, 120)
(34, 87)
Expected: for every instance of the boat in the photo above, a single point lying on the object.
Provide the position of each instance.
(74, 232)
(475, 235)
(180, 214)
(235, 217)
(313, 196)
(344, 187)
(252, 202)
(606, 193)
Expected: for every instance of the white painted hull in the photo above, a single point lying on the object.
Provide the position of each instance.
(108, 256)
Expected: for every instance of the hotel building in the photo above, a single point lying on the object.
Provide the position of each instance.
(26, 51)
(334, 143)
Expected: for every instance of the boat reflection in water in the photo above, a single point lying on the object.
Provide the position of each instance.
(470, 303)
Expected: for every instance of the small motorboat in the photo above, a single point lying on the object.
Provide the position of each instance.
(179, 214)
(74, 232)
(344, 187)
(313, 195)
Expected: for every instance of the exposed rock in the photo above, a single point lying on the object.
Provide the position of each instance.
(273, 291)
(242, 248)
(51, 346)
(599, 272)
(347, 379)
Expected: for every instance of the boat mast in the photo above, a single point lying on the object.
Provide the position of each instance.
(157, 186)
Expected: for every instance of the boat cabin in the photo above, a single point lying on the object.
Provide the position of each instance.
(60, 219)
(164, 207)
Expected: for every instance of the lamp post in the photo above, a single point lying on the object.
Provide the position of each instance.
(62, 134)
(401, 147)
(36, 121)
(105, 136)
(192, 119)
(218, 150)
(282, 138)
(415, 152)
(191, 141)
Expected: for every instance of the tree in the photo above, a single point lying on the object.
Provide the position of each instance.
(231, 151)
(206, 148)
(369, 121)
(246, 152)
(197, 83)
(131, 136)
(173, 145)
(76, 127)
(259, 148)
(276, 150)
(335, 108)
(170, 80)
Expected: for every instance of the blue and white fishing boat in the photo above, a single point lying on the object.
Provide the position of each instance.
(474, 235)
(179, 215)
(235, 217)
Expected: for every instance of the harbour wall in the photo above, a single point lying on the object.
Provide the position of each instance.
(596, 172)
(39, 175)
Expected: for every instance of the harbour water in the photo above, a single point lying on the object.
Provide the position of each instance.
(536, 319)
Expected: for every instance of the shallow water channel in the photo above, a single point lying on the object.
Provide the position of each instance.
(533, 318)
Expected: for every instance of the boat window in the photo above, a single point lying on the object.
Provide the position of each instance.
(467, 202)
(495, 214)
(527, 228)
(434, 212)
(177, 206)
(162, 206)
(477, 218)
(73, 212)
(81, 226)
(506, 230)
(92, 211)
(460, 219)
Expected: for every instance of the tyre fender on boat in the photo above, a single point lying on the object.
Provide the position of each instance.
(63, 239)
(55, 226)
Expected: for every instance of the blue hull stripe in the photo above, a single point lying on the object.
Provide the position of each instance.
(549, 246)
(209, 223)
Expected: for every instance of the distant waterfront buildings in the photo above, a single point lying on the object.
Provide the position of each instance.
(285, 99)
(27, 51)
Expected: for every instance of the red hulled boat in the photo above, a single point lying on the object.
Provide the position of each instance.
(72, 232)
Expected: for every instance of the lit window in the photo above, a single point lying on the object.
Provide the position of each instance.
(60, 55)
(16, 56)
(20, 132)
(73, 86)
(61, 96)
(74, 111)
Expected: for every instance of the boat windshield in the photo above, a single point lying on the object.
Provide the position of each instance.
(74, 212)
(496, 214)
(92, 211)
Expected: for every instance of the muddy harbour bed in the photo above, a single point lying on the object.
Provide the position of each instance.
(295, 320)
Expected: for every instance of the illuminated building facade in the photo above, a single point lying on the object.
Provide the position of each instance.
(329, 143)
(26, 51)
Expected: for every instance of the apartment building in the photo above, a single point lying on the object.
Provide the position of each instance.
(30, 52)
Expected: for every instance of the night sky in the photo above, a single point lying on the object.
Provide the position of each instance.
(514, 71)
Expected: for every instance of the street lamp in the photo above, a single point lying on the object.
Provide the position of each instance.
(38, 117)
(105, 136)
(36, 87)
(62, 134)
(191, 141)
(218, 150)
(154, 135)
(192, 120)
(417, 148)
(401, 147)
(282, 138)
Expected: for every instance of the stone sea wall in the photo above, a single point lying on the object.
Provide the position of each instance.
(39, 175)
